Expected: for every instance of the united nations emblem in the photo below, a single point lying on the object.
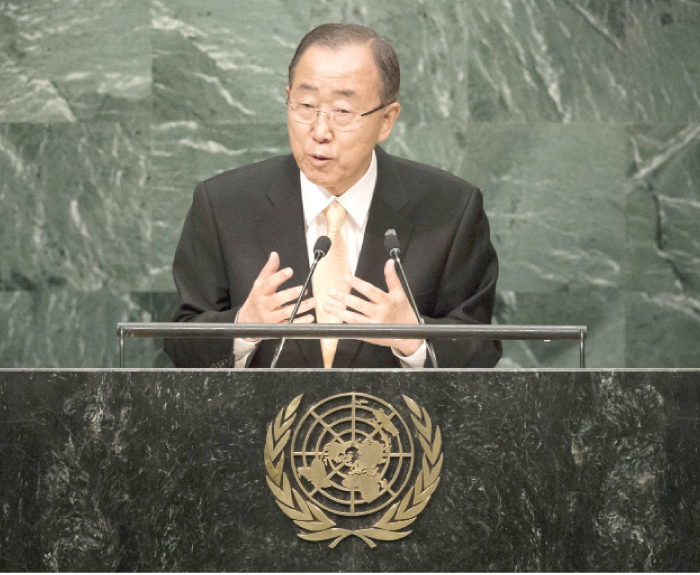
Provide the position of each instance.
(352, 460)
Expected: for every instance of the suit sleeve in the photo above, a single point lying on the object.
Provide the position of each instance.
(202, 285)
(467, 290)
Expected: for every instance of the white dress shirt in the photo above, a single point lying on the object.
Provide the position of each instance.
(356, 201)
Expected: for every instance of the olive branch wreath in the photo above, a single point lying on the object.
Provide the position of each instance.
(315, 524)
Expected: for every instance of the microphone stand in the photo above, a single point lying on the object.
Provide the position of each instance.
(391, 242)
(404, 283)
(318, 254)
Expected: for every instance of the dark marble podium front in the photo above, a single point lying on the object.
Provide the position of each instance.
(163, 471)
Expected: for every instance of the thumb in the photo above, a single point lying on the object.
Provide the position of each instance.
(392, 279)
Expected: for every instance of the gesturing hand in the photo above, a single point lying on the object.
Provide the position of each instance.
(265, 304)
(379, 307)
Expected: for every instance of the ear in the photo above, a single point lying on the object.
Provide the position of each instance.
(288, 91)
(389, 115)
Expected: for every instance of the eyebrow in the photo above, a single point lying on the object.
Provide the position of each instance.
(347, 93)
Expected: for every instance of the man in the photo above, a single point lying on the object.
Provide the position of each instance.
(251, 229)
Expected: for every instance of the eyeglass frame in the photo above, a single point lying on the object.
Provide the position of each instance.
(330, 114)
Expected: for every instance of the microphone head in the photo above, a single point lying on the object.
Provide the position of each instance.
(391, 242)
(322, 245)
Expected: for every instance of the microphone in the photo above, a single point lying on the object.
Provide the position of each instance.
(392, 244)
(393, 247)
(321, 247)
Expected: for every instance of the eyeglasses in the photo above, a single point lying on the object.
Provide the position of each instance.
(342, 120)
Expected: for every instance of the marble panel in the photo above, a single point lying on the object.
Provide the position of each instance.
(662, 245)
(184, 153)
(75, 61)
(662, 44)
(584, 60)
(557, 61)
(74, 201)
(662, 208)
(221, 60)
(67, 328)
(602, 311)
(662, 329)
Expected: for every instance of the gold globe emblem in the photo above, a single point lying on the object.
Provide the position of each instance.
(352, 454)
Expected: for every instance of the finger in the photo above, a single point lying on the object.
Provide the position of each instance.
(350, 317)
(307, 305)
(270, 284)
(372, 293)
(285, 296)
(308, 318)
(283, 314)
(345, 315)
(392, 279)
(360, 305)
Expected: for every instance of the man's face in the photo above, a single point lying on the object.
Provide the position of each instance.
(345, 79)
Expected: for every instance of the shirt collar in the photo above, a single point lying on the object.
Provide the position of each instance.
(356, 200)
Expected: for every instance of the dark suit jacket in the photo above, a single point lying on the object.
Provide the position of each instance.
(237, 218)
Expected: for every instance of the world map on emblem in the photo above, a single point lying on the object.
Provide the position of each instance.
(352, 454)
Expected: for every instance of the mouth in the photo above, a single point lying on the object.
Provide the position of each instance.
(319, 159)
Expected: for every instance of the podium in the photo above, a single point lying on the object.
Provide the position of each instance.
(171, 470)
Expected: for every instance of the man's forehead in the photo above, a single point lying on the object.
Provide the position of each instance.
(345, 72)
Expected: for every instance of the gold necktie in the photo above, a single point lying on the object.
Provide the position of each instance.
(329, 274)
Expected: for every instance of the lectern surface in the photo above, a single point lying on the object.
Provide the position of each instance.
(350, 470)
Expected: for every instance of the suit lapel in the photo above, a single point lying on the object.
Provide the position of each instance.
(281, 229)
(388, 201)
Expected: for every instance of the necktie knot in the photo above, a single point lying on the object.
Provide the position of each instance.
(335, 217)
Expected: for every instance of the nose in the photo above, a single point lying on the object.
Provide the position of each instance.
(321, 130)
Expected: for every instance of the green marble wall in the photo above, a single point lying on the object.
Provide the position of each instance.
(579, 119)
